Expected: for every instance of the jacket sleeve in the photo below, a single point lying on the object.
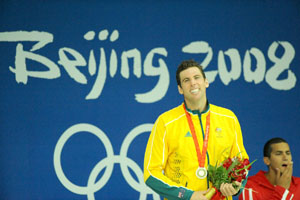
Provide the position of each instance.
(282, 193)
(238, 146)
(248, 193)
(154, 164)
(253, 192)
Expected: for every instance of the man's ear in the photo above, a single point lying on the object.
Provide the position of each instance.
(267, 161)
(206, 83)
(180, 89)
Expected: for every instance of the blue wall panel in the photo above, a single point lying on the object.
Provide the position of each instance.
(82, 82)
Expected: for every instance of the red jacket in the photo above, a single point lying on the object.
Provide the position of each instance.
(259, 188)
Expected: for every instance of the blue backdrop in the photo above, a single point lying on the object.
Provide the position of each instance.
(82, 82)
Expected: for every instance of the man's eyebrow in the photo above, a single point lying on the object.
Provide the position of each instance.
(278, 151)
(281, 151)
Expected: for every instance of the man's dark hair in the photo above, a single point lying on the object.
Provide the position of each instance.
(268, 148)
(185, 65)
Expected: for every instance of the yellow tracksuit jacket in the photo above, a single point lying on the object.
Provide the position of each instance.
(170, 162)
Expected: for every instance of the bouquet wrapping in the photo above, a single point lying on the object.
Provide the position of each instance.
(229, 171)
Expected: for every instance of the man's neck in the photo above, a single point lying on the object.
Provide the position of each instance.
(201, 106)
(271, 176)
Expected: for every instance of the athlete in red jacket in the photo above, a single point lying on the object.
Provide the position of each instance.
(277, 182)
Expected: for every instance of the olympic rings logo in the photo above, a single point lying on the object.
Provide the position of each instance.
(107, 163)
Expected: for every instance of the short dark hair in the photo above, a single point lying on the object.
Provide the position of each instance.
(268, 148)
(185, 65)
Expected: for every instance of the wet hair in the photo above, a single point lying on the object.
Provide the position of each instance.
(268, 148)
(185, 65)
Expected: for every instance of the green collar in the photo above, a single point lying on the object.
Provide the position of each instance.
(197, 111)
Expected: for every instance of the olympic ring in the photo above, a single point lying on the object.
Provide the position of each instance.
(107, 163)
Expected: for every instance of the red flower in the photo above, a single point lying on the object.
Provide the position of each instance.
(239, 179)
(246, 162)
(231, 170)
(227, 163)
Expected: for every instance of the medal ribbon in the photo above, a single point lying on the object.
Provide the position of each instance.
(201, 157)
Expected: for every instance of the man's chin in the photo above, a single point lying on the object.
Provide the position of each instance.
(282, 169)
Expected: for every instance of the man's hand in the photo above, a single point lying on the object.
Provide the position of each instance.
(284, 179)
(199, 195)
(227, 189)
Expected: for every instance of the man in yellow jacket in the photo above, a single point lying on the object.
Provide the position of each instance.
(185, 139)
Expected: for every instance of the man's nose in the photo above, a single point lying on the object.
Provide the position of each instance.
(193, 81)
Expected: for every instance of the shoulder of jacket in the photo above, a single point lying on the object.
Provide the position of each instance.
(257, 178)
(297, 179)
(221, 110)
(172, 114)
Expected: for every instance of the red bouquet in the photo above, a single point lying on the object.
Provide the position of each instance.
(229, 171)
